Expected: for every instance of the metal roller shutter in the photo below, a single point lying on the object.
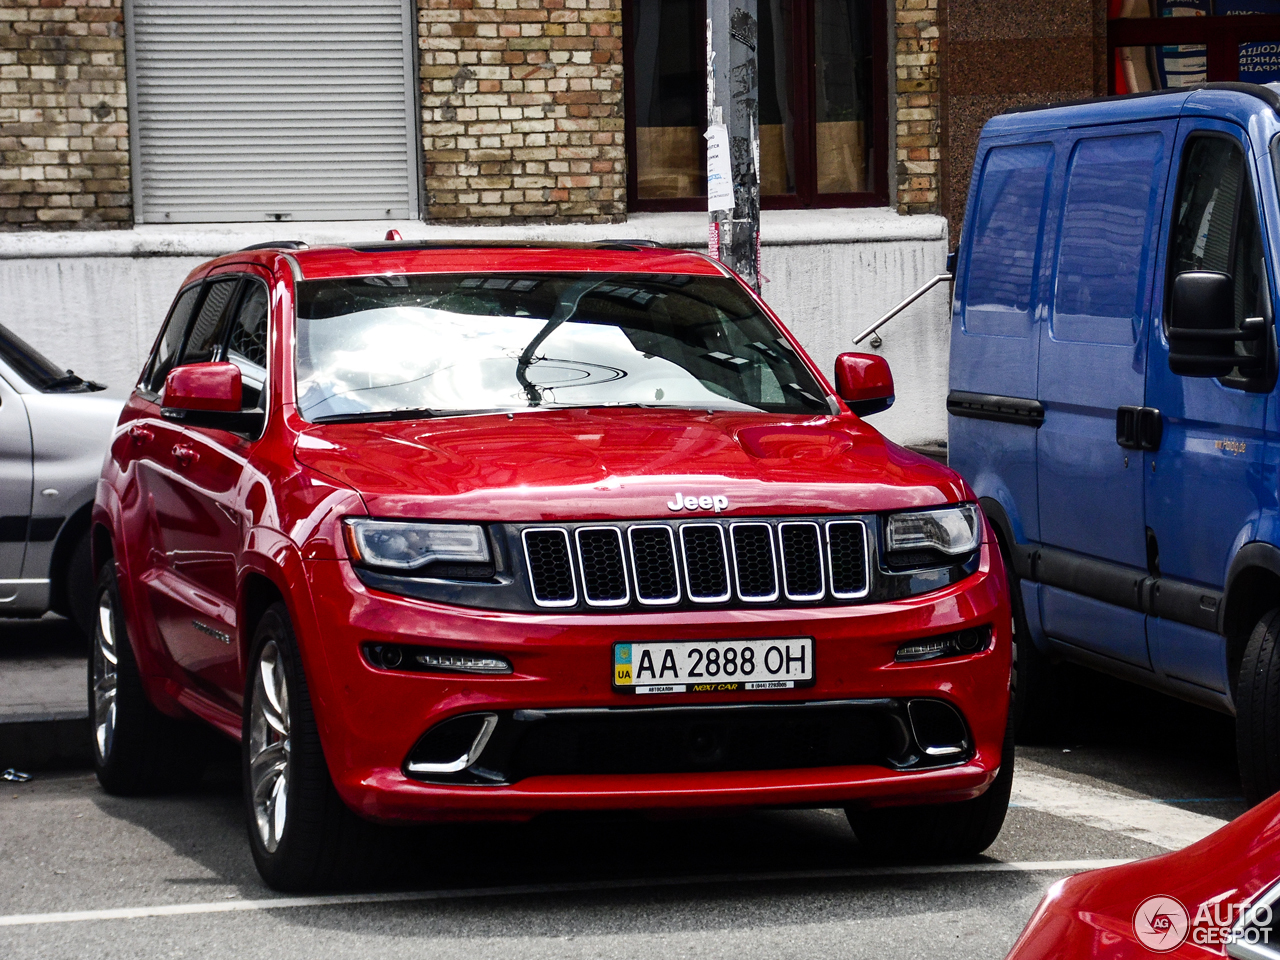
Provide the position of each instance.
(280, 110)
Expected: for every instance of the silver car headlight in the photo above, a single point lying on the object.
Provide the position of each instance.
(949, 530)
(410, 545)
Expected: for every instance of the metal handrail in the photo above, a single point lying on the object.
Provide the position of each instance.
(902, 306)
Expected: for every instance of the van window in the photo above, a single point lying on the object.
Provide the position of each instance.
(1103, 245)
(1216, 225)
(1006, 240)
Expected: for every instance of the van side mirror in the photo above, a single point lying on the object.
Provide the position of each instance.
(864, 382)
(208, 395)
(1202, 331)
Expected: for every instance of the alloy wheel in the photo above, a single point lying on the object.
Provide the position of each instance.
(105, 659)
(269, 746)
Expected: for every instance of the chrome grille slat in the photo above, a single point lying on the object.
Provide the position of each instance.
(849, 559)
(707, 577)
(548, 557)
(803, 577)
(755, 567)
(603, 566)
(653, 558)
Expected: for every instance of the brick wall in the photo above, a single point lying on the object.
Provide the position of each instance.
(64, 132)
(918, 105)
(522, 110)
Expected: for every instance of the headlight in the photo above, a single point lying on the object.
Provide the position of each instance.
(950, 530)
(408, 546)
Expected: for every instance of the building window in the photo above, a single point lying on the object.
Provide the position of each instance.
(1167, 44)
(823, 103)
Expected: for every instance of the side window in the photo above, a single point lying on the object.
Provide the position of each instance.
(247, 344)
(209, 330)
(170, 342)
(1006, 240)
(1103, 245)
(1216, 226)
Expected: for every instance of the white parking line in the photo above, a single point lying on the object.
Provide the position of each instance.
(535, 889)
(1150, 820)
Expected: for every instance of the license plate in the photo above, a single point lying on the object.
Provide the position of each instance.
(713, 666)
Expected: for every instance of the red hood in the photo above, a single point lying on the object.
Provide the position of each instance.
(594, 464)
(1091, 914)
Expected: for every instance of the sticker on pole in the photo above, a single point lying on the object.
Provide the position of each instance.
(719, 169)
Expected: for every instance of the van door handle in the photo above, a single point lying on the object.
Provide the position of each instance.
(140, 434)
(185, 455)
(1139, 428)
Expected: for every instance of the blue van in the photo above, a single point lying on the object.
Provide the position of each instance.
(1113, 394)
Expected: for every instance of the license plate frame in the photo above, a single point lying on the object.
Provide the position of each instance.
(776, 663)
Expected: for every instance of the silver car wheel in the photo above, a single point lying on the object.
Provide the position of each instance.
(105, 658)
(269, 746)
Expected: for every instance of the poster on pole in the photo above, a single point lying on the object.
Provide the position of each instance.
(719, 169)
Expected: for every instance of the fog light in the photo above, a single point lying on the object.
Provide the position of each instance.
(393, 656)
(958, 644)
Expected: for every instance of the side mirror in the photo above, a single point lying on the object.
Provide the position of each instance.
(1202, 331)
(209, 395)
(864, 382)
(203, 386)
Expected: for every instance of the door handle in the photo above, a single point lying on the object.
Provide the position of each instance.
(184, 454)
(1139, 428)
(140, 434)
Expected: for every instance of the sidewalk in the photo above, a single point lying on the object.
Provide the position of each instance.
(43, 701)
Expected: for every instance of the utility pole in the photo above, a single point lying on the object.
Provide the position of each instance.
(733, 137)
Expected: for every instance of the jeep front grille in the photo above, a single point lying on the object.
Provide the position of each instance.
(656, 564)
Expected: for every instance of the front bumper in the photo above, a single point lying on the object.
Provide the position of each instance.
(370, 718)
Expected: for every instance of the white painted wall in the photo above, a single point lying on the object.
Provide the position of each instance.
(94, 301)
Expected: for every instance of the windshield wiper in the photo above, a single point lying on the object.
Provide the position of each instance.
(366, 416)
(69, 382)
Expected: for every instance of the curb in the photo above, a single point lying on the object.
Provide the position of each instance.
(55, 743)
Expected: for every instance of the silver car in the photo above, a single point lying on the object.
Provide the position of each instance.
(54, 431)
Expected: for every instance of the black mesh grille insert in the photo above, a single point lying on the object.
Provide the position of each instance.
(604, 572)
(654, 559)
(549, 568)
(848, 558)
(753, 561)
(704, 558)
(802, 560)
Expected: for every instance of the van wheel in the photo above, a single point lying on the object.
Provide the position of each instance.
(1258, 711)
(302, 835)
(1035, 682)
(946, 831)
(136, 748)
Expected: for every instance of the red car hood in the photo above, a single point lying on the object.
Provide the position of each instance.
(1092, 914)
(594, 464)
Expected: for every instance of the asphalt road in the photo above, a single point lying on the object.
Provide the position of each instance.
(83, 874)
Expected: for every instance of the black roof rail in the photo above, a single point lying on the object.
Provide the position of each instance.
(276, 245)
(1265, 94)
(406, 245)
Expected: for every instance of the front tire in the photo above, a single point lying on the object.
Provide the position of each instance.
(945, 831)
(136, 748)
(302, 835)
(1258, 711)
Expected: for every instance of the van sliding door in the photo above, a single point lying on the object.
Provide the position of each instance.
(1092, 374)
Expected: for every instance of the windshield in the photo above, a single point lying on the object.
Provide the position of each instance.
(37, 369)
(371, 347)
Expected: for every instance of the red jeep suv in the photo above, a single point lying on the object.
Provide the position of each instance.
(444, 532)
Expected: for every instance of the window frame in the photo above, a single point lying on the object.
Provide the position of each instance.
(804, 108)
(1220, 35)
